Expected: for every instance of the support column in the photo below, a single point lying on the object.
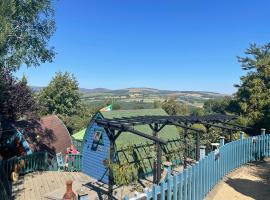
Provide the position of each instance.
(263, 131)
(262, 153)
(242, 135)
(230, 135)
(202, 152)
(112, 145)
(159, 154)
(185, 148)
(208, 149)
(157, 163)
(221, 141)
(197, 146)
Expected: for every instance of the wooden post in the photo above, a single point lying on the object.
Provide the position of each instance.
(185, 148)
(221, 141)
(241, 135)
(112, 144)
(157, 164)
(197, 146)
(230, 135)
(202, 152)
(155, 172)
(263, 131)
(159, 153)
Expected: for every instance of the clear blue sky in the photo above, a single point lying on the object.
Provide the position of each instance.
(178, 45)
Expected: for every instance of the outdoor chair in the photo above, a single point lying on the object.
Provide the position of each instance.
(60, 162)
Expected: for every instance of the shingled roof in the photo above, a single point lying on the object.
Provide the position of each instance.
(47, 134)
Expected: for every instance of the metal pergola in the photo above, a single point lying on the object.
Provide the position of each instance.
(116, 126)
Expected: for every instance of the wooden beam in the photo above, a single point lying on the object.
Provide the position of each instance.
(185, 126)
(147, 136)
(218, 126)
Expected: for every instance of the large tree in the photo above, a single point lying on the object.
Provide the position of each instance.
(16, 99)
(253, 93)
(26, 27)
(61, 96)
(171, 106)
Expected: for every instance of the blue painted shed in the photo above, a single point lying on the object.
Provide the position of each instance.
(95, 151)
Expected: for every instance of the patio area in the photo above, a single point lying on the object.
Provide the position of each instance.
(52, 185)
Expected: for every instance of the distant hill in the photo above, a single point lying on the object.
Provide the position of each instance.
(149, 91)
(129, 96)
(95, 90)
(141, 90)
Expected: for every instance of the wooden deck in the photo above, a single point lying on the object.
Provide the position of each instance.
(51, 185)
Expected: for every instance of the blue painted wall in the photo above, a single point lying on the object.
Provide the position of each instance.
(94, 153)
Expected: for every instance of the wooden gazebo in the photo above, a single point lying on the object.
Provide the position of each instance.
(116, 126)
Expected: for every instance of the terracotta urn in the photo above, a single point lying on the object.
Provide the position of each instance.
(69, 195)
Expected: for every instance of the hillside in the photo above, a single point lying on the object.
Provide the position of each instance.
(148, 95)
(142, 95)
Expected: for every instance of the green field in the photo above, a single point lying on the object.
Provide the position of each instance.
(126, 138)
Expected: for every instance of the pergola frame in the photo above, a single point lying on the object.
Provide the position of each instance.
(157, 123)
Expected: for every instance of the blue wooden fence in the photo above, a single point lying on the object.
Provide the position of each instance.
(195, 182)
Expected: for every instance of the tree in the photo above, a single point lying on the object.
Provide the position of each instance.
(16, 98)
(26, 27)
(171, 106)
(156, 104)
(253, 95)
(61, 96)
(218, 105)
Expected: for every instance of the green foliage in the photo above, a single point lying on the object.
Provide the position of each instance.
(61, 96)
(116, 106)
(79, 121)
(194, 111)
(138, 106)
(125, 173)
(16, 98)
(171, 106)
(26, 27)
(253, 95)
(156, 104)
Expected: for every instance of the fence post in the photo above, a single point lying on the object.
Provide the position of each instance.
(262, 152)
(202, 152)
(263, 131)
(241, 135)
(221, 141)
(45, 164)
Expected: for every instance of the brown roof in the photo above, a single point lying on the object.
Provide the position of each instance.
(47, 134)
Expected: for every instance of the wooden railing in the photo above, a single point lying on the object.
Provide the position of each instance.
(74, 163)
(26, 164)
(5, 190)
(78, 144)
(195, 182)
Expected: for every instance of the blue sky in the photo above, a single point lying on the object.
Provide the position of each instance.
(178, 45)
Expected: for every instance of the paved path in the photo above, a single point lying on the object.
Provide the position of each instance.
(251, 181)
